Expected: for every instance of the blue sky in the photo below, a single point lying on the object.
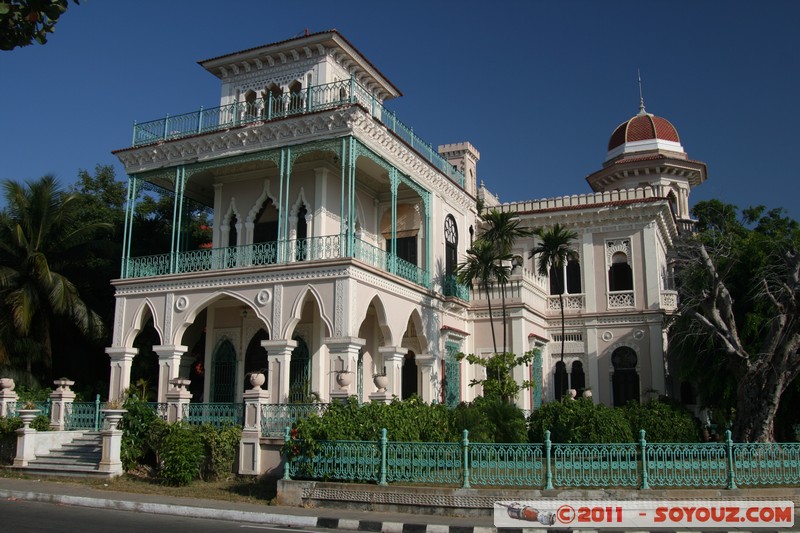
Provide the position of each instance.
(536, 87)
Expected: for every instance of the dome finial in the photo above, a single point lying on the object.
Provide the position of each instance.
(642, 110)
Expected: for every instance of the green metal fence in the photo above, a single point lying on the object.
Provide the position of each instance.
(276, 417)
(548, 465)
(216, 414)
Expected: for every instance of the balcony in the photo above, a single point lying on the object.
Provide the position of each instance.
(572, 302)
(669, 300)
(312, 99)
(620, 299)
(272, 253)
(451, 287)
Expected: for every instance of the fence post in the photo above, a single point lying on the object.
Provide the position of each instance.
(383, 457)
(200, 120)
(178, 399)
(166, 127)
(729, 451)
(465, 464)
(97, 412)
(8, 398)
(287, 440)
(133, 141)
(61, 404)
(643, 444)
(548, 473)
(352, 89)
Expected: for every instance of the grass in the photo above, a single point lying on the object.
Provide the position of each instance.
(242, 489)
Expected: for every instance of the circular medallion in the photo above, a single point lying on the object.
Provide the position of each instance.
(607, 336)
(263, 297)
(182, 303)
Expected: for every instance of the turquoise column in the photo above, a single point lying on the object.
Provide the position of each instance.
(284, 236)
(281, 178)
(343, 156)
(177, 208)
(127, 232)
(394, 181)
(351, 178)
(427, 272)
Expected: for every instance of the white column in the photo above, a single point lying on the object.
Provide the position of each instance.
(60, 404)
(592, 356)
(588, 274)
(320, 195)
(250, 443)
(650, 269)
(425, 363)
(343, 355)
(120, 380)
(279, 355)
(657, 359)
(393, 361)
(169, 365)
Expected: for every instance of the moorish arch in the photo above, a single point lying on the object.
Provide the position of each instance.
(379, 310)
(298, 307)
(193, 310)
(146, 312)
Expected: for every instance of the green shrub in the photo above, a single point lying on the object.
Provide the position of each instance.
(180, 452)
(663, 421)
(491, 420)
(41, 423)
(8, 439)
(136, 426)
(409, 420)
(220, 447)
(579, 421)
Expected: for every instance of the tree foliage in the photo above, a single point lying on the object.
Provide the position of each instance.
(499, 381)
(41, 233)
(737, 333)
(23, 22)
(579, 421)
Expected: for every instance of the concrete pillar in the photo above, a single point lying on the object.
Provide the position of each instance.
(250, 443)
(279, 355)
(169, 365)
(8, 398)
(393, 361)
(120, 380)
(26, 441)
(343, 356)
(111, 461)
(427, 390)
(177, 397)
(61, 404)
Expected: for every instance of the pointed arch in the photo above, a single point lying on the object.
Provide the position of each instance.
(414, 335)
(146, 310)
(297, 311)
(190, 315)
(380, 312)
(223, 371)
(232, 214)
(265, 194)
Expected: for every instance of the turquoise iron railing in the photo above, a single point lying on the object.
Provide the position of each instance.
(215, 414)
(275, 417)
(44, 407)
(267, 253)
(83, 415)
(312, 99)
(595, 465)
(424, 462)
(549, 465)
(160, 409)
(451, 287)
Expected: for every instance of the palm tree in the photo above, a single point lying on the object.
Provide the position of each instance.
(502, 230)
(554, 251)
(39, 229)
(482, 264)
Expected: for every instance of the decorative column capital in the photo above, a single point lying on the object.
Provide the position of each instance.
(279, 347)
(121, 353)
(166, 351)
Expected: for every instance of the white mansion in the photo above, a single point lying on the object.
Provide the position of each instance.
(336, 232)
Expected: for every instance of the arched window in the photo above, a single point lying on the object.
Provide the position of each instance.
(620, 275)
(250, 107)
(265, 228)
(273, 97)
(295, 97)
(301, 250)
(626, 379)
(450, 245)
(255, 358)
(574, 277)
(673, 203)
(299, 373)
(577, 377)
(233, 241)
(560, 380)
(409, 374)
(223, 377)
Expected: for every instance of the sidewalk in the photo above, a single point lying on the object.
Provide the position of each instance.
(67, 493)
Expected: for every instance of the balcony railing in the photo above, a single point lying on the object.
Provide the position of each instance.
(451, 287)
(572, 302)
(272, 253)
(277, 106)
(620, 299)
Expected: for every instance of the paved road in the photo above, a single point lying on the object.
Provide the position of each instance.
(20, 516)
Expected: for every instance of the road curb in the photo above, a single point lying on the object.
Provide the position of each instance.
(239, 516)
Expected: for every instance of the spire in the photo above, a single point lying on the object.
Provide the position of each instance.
(642, 110)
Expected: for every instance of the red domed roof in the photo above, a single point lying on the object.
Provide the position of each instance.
(643, 127)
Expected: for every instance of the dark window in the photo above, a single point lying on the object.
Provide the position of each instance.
(620, 275)
(450, 244)
(573, 277)
(255, 358)
(295, 97)
(409, 374)
(626, 380)
(302, 234)
(577, 377)
(265, 228)
(561, 381)
(406, 248)
(556, 281)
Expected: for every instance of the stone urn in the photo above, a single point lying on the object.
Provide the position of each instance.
(344, 378)
(587, 393)
(113, 417)
(572, 393)
(257, 379)
(381, 381)
(7, 384)
(27, 416)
